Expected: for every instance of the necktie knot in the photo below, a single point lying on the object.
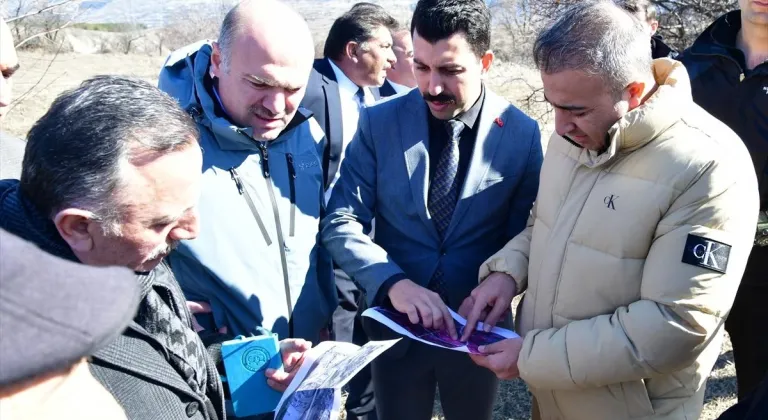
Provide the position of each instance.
(454, 127)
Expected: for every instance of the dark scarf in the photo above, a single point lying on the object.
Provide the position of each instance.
(162, 311)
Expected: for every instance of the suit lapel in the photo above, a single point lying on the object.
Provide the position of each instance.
(333, 100)
(332, 103)
(488, 139)
(141, 358)
(416, 151)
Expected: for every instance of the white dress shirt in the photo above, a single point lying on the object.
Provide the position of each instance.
(350, 113)
(398, 87)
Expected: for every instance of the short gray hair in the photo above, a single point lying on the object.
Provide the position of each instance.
(76, 151)
(230, 27)
(599, 38)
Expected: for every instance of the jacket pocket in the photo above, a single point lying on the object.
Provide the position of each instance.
(636, 398)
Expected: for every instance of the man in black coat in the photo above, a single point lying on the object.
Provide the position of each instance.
(111, 177)
(752, 407)
(729, 78)
(358, 53)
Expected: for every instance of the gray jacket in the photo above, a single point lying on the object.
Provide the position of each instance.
(258, 259)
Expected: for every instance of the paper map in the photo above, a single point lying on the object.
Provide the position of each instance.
(400, 323)
(315, 392)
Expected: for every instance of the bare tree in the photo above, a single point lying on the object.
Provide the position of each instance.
(36, 23)
(127, 39)
(516, 23)
(191, 25)
(681, 21)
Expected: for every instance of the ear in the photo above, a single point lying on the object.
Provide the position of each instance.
(487, 60)
(654, 27)
(351, 49)
(75, 227)
(216, 69)
(633, 94)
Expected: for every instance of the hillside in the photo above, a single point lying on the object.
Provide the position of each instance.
(156, 14)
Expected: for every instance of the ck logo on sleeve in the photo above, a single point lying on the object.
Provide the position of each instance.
(706, 253)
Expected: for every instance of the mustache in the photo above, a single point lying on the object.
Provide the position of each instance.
(264, 112)
(164, 249)
(443, 97)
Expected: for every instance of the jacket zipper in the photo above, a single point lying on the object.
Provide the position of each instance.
(292, 182)
(280, 240)
(244, 192)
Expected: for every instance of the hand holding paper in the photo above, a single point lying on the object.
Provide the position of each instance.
(401, 324)
(422, 305)
(501, 357)
(292, 352)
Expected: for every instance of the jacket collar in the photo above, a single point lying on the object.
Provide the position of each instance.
(720, 37)
(644, 123)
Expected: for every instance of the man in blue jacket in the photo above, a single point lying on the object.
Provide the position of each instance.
(257, 262)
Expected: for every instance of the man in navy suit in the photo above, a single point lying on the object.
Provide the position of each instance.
(400, 76)
(449, 171)
(358, 53)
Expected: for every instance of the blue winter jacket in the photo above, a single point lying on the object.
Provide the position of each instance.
(257, 260)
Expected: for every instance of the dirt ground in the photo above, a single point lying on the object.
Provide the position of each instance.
(40, 80)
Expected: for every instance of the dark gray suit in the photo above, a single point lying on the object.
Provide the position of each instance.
(385, 175)
(322, 98)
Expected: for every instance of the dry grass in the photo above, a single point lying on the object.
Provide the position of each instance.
(511, 81)
(36, 84)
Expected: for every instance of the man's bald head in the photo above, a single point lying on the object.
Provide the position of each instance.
(9, 63)
(268, 22)
(261, 65)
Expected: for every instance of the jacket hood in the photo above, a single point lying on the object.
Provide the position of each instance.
(646, 122)
(186, 76)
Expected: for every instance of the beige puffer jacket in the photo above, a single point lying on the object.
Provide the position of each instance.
(631, 261)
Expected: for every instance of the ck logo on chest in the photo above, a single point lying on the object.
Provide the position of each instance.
(610, 201)
(706, 253)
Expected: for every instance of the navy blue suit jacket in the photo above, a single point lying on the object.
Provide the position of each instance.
(385, 176)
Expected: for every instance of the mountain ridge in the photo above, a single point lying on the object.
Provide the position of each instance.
(155, 14)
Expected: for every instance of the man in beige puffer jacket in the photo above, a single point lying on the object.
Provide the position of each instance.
(642, 227)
